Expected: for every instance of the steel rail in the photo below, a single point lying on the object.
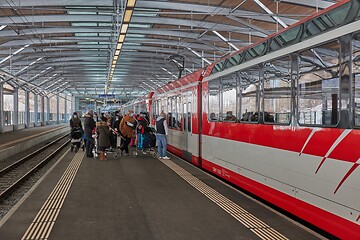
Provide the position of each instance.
(14, 185)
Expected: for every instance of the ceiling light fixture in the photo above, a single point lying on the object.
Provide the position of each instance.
(127, 14)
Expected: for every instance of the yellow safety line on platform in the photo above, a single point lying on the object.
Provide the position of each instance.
(41, 226)
(258, 227)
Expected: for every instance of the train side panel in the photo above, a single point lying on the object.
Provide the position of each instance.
(299, 169)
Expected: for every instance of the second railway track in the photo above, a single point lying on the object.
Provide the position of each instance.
(21, 175)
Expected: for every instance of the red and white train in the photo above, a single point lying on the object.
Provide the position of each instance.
(280, 119)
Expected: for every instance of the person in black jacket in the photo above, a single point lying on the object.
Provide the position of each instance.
(75, 123)
(89, 125)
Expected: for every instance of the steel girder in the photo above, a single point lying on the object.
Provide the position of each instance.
(84, 54)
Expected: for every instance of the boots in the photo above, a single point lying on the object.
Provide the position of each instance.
(101, 156)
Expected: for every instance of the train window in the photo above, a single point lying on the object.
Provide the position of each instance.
(189, 109)
(178, 111)
(249, 85)
(154, 110)
(218, 67)
(158, 108)
(327, 20)
(163, 105)
(214, 100)
(356, 80)
(285, 38)
(234, 60)
(228, 113)
(277, 91)
(318, 85)
(170, 113)
(255, 51)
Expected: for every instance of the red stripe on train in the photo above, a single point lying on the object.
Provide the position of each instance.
(288, 138)
(329, 222)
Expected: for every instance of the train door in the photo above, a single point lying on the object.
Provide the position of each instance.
(187, 127)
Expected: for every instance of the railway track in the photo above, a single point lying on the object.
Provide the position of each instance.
(21, 175)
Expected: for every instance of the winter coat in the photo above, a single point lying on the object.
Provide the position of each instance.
(142, 126)
(104, 134)
(161, 126)
(75, 122)
(89, 125)
(116, 124)
(125, 130)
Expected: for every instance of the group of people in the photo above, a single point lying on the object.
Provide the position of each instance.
(108, 128)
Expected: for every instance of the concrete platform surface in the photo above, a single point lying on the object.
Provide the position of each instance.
(11, 138)
(143, 198)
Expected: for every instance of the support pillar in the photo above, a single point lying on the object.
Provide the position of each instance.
(73, 107)
(43, 117)
(48, 110)
(2, 121)
(16, 109)
(36, 118)
(66, 111)
(57, 109)
(27, 109)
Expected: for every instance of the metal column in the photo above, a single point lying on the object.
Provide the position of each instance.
(43, 117)
(48, 110)
(2, 121)
(16, 109)
(73, 104)
(57, 109)
(36, 119)
(66, 115)
(27, 109)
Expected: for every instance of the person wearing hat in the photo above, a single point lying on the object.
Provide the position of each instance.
(75, 121)
(127, 126)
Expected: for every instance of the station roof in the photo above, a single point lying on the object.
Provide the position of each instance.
(72, 46)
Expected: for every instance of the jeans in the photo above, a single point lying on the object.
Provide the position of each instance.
(140, 138)
(89, 146)
(161, 142)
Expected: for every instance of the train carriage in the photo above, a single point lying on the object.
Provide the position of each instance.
(280, 119)
(179, 100)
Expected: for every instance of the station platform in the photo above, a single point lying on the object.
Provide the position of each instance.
(140, 198)
(17, 141)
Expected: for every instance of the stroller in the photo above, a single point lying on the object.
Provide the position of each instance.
(96, 147)
(149, 142)
(76, 139)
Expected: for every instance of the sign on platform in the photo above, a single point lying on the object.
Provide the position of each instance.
(106, 95)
